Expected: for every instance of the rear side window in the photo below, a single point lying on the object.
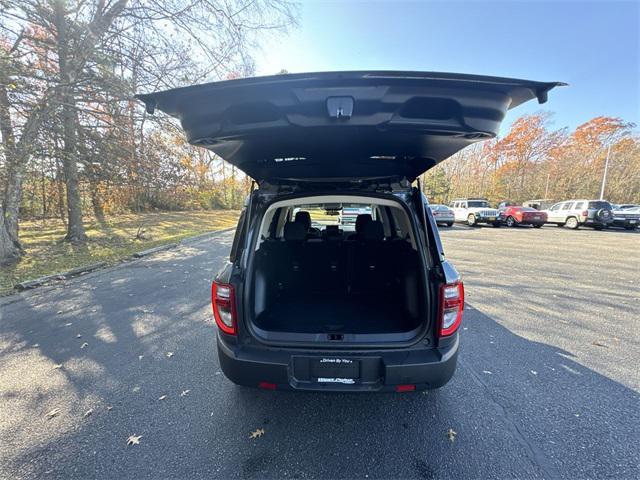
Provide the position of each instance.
(567, 206)
(238, 239)
(599, 205)
(579, 206)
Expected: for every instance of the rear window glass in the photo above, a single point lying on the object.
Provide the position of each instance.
(567, 206)
(478, 204)
(599, 205)
(527, 209)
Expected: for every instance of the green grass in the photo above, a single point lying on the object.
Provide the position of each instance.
(47, 254)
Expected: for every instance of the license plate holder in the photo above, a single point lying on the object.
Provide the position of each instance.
(334, 370)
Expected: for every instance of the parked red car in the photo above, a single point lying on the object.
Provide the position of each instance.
(513, 216)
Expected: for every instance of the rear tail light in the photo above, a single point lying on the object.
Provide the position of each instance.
(585, 213)
(223, 299)
(405, 388)
(451, 306)
(267, 385)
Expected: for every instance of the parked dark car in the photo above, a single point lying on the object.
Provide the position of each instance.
(514, 216)
(626, 216)
(379, 308)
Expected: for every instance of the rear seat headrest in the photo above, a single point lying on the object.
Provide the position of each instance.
(294, 231)
(304, 218)
(373, 231)
(332, 232)
(362, 220)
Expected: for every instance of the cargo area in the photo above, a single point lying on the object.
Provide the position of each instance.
(348, 278)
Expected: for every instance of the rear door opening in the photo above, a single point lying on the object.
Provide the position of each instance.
(319, 275)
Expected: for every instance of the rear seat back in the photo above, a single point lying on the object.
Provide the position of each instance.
(297, 264)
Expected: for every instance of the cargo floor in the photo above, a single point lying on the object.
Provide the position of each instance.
(360, 314)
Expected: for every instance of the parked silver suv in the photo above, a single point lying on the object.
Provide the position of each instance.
(575, 213)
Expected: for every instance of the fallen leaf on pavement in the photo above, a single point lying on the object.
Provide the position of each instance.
(88, 412)
(185, 393)
(35, 345)
(162, 397)
(534, 372)
(59, 312)
(53, 413)
(78, 336)
(600, 343)
(451, 435)
(68, 324)
(134, 440)
(487, 372)
(135, 389)
(140, 357)
(84, 345)
(170, 354)
(109, 408)
(56, 367)
(257, 434)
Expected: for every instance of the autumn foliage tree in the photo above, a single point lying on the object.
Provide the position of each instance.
(534, 161)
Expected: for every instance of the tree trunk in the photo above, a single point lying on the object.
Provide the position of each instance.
(12, 192)
(75, 227)
(60, 188)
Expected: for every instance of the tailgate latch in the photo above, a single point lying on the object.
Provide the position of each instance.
(340, 107)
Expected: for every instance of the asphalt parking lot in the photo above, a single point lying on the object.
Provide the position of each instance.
(547, 384)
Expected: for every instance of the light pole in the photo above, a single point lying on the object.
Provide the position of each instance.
(604, 175)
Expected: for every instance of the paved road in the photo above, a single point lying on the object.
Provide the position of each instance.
(547, 384)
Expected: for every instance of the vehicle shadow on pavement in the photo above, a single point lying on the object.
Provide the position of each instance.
(515, 408)
(518, 409)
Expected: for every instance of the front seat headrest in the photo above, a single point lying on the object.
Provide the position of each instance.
(304, 218)
(373, 231)
(361, 221)
(294, 231)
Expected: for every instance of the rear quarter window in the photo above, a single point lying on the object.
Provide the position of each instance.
(238, 238)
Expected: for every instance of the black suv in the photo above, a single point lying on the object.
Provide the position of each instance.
(307, 302)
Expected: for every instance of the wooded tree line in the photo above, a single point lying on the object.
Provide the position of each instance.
(533, 161)
(73, 139)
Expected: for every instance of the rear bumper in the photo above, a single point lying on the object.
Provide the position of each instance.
(533, 221)
(598, 223)
(384, 370)
(625, 222)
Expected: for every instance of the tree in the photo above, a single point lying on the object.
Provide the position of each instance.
(80, 63)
